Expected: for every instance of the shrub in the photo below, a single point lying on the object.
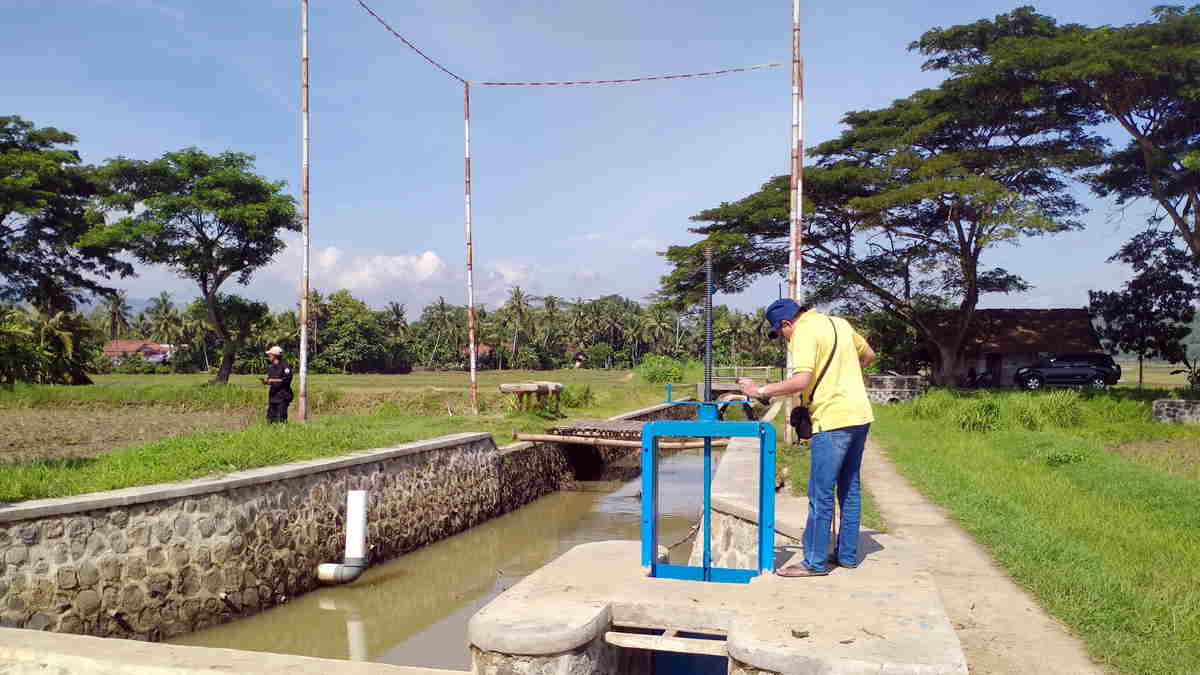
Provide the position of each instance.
(660, 369)
(980, 415)
(1024, 412)
(936, 404)
(575, 396)
(1062, 408)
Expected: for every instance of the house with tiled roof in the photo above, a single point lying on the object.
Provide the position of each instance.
(1004, 340)
(151, 351)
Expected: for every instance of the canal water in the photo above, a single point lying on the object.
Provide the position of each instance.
(413, 611)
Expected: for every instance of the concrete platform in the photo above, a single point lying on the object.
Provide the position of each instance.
(883, 618)
(28, 652)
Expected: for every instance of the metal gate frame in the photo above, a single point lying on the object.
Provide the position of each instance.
(708, 426)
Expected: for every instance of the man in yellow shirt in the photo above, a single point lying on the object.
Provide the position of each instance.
(828, 357)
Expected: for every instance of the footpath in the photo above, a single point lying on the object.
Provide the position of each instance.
(1001, 629)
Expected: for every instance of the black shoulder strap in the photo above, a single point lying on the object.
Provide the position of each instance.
(832, 353)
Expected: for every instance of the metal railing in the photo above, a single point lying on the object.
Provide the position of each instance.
(732, 373)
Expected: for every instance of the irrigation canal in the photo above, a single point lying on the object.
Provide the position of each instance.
(413, 611)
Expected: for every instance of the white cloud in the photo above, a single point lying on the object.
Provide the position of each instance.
(375, 278)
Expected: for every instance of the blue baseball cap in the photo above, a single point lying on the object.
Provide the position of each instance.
(783, 309)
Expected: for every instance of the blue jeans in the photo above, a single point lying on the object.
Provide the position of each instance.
(836, 459)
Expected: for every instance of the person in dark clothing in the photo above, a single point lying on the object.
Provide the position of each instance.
(279, 379)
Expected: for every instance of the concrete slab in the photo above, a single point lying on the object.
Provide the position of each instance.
(27, 652)
(884, 617)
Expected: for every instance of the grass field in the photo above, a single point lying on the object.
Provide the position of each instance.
(138, 430)
(1156, 375)
(72, 422)
(1108, 540)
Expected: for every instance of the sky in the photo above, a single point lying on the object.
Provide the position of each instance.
(575, 189)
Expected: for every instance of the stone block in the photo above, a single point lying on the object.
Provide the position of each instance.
(88, 575)
(67, 578)
(1173, 411)
(87, 602)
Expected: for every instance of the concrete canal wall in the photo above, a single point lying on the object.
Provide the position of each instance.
(159, 561)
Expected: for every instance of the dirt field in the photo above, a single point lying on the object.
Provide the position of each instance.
(39, 433)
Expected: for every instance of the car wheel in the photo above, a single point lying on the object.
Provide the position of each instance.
(1033, 382)
(1098, 382)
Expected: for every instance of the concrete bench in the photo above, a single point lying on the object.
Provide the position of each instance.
(525, 391)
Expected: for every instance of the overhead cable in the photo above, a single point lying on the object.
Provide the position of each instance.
(411, 46)
(560, 83)
(630, 80)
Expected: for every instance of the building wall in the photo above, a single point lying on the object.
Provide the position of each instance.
(1009, 365)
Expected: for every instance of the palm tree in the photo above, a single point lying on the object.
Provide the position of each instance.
(166, 326)
(57, 337)
(160, 304)
(656, 327)
(518, 308)
(395, 319)
(552, 317)
(17, 358)
(117, 314)
(195, 329)
(733, 328)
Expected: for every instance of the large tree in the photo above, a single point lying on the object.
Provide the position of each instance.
(208, 217)
(1151, 315)
(901, 208)
(46, 206)
(1144, 77)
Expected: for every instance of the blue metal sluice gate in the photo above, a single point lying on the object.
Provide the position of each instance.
(708, 426)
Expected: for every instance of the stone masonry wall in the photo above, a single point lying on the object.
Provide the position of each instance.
(885, 389)
(168, 566)
(1177, 412)
(595, 658)
(734, 543)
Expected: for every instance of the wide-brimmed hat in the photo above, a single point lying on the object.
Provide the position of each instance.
(276, 350)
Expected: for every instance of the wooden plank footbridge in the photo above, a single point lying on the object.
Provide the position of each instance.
(605, 433)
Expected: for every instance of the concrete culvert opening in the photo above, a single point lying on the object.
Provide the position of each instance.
(671, 652)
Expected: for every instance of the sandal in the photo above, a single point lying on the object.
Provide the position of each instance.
(800, 570)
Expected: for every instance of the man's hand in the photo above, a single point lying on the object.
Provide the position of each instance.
(749, 388)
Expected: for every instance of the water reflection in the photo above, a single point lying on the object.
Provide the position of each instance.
(414, 610)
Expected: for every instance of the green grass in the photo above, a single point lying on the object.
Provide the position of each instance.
(1109, 544)
(396, 417)
(325, 391)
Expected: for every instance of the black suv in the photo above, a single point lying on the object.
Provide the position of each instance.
(1095, 370)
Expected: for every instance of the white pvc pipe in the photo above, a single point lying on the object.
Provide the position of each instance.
(356, 526)
(355, 560)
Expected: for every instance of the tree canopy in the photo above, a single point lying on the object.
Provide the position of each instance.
(1151, 315)
(1145, 77)
(46, 207)
(208, 217)
(901, 208)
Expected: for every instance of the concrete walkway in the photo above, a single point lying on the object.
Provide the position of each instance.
(30, 652)
(1001, 628)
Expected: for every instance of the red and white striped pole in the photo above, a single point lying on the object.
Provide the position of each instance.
(470, 244)
(796, 234)
(302, 407)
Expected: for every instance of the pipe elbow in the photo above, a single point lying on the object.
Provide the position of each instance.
(339, 573)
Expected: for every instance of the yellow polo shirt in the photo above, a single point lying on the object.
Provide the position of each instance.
(841, 399)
